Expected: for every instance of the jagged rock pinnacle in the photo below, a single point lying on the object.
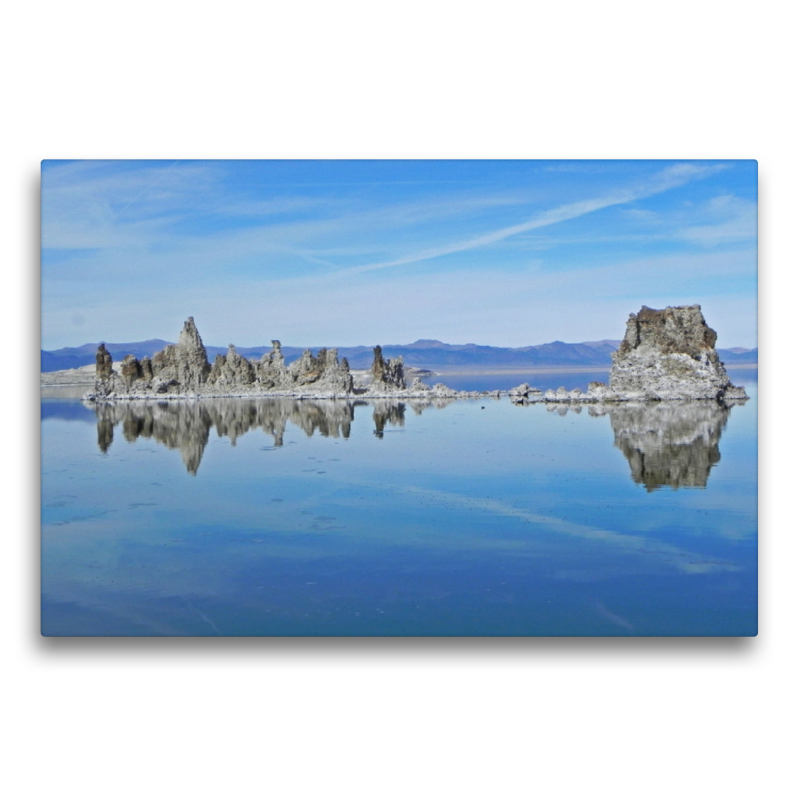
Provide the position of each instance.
(105, 363)
(387, 375)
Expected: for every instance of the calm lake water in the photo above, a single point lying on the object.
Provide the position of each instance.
(292, 518)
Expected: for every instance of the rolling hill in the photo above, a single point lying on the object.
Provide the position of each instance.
(426, 353)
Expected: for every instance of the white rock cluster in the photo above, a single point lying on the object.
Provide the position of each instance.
(666, 354)
(182, 371)
(669, 354)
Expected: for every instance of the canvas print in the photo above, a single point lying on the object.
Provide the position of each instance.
(399, 398)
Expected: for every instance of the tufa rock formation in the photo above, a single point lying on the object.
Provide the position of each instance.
(231, 369)
(130, 370)
(271, 369)
(669, 355)
(665, 355)
(184, 364)
(324, 372)
(105, 363)
(183, 368)
(387, 375)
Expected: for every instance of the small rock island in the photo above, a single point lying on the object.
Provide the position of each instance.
(666, 354)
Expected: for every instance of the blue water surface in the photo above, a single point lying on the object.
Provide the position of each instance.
(478, 518)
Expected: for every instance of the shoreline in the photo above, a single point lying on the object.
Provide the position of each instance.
(517, 397)
(439, 372)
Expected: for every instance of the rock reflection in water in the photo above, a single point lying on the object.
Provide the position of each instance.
(185, 426)
(668, 444)
(385, 411)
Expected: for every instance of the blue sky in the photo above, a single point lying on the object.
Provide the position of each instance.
(341, 253)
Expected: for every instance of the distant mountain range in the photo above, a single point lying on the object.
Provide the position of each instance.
(427, 353)
(74, 357)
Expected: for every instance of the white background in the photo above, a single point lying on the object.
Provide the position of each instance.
(405, 719)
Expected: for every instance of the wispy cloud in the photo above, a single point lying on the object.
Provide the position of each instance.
(669, 178)
(728, 219)
(183, 206)
(722, 220)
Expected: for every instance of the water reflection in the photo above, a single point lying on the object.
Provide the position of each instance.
(386, 412)
(186, 426)
(668, 444)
